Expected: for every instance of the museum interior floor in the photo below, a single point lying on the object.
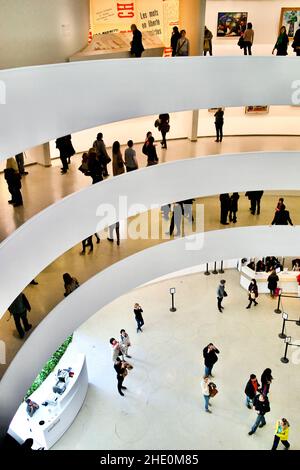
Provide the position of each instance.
(50, 289)
(163, 406)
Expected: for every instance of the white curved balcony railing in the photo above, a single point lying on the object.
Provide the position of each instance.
(61, 226)
(159, 260)
(48, 101)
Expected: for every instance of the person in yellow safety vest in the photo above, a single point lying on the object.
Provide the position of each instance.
(281, 434)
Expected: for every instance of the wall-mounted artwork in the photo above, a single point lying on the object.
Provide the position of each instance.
(231, 24)
(290, 18)
(256, 109)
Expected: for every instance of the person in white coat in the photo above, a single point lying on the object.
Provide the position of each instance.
(205, 390)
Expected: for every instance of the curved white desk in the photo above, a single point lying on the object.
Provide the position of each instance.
(287, 280)
(57, 418)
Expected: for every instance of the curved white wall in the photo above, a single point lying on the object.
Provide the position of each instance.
(48, 101)
(100, 290)
(64, 224)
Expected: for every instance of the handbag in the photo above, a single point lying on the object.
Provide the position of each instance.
(225, 294)
(241, 42)
(212, 389)
(252, 295)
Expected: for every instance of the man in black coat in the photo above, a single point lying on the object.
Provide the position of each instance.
(120, 369)
(225, 205)
(66, 151)
(19, 309)
(210, 358)
(262, 406)
(137, 47)
(296, 42)
(251, 389)
(282, 217)
(219, 122)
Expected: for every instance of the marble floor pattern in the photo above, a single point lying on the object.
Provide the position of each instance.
(163, 407)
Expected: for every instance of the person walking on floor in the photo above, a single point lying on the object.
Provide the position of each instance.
(210, 358)
(18, 309)
(20, 162)
(282, 217)
(255, 198)
(102, 154)
(206, 392)
(163, 124)
(248, 39)
(272, 283)
(121, 368)
(130, 157)
(262, 406)
(66, 150)
(89, 242)
(13, 180)
(233, 207)
(176, 219)
(266, 380)
(282, 43)
(251, 390)
(125, 342)
(221, 293)
(138, 317)
(174, 40)
(95, 168)
(151, 152)
(207, 46)
(111, 229)
(117, 159)
(281, 434)
(219, 122)
(183, 45)
(70, 284)
(225, 205)
(253, 293)
(296, 42)
(116, 349)
(136, 44)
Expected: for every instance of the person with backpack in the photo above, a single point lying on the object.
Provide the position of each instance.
(102, 154)
(70, 284)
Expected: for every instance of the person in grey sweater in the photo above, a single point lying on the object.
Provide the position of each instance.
(221, 293)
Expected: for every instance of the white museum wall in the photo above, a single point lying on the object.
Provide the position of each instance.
(263, 14)
(40, 32)
(280, 120)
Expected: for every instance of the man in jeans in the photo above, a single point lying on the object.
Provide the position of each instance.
(221, 294)
(210, 358)
(262, 406)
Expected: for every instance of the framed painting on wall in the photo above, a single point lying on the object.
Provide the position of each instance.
(290, 18)
(231, 24)
(256, 109)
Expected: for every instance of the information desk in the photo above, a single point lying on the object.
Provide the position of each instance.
(117, 46)
(287, 280)
(50, 422)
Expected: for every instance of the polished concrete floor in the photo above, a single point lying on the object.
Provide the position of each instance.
(44, 186)
(163, 407)
(50, 290)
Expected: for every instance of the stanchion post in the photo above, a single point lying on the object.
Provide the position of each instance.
(284, 359)
(221, 270)
(277, 310)
(282, 335)
(172, 292)
(207, 273)
(215, 269)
